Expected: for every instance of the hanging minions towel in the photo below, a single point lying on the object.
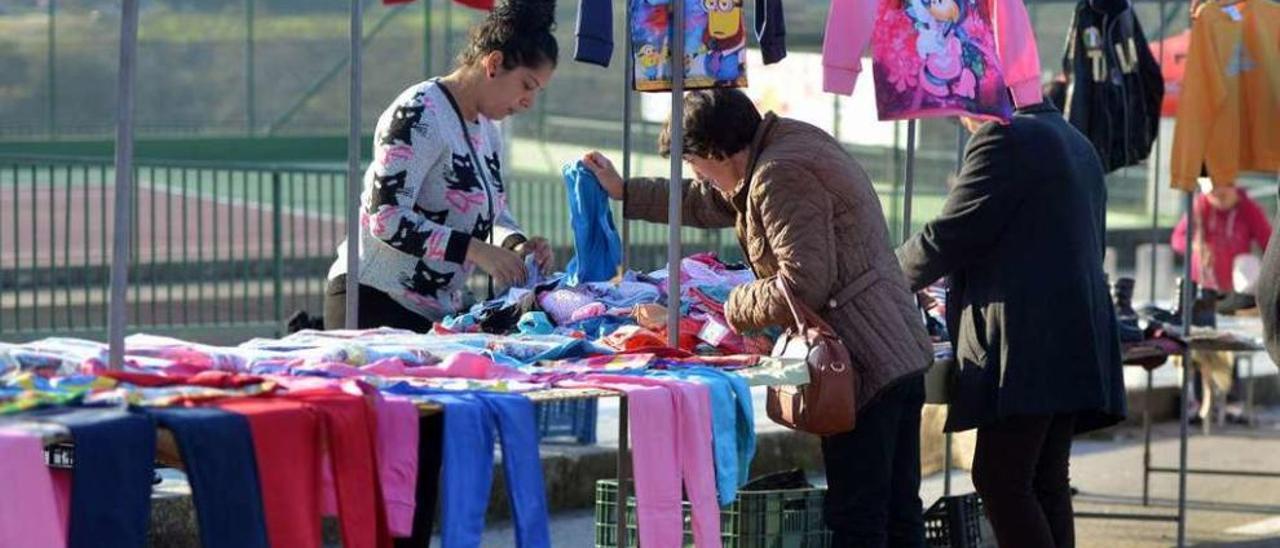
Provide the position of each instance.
(715, 44)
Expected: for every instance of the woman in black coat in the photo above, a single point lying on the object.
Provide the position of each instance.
(1022, 237)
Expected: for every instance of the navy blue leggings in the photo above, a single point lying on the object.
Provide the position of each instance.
(111, 481)
(217, 453)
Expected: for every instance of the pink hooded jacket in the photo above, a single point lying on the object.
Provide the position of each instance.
(851, 26)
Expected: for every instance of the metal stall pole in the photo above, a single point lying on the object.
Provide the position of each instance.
(676, 186)
(1151, 295)
(426, 39)
(624, 474)
(910, 180)
(623, 408)
(1155, 177)
(249, 72)
(353, 167)
(1187, 300)
(629, 67)
(52, 74)
(121, 249)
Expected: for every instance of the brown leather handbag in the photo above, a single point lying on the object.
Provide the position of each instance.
(826, 405)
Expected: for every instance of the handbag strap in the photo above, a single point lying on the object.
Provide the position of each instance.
(791, 302)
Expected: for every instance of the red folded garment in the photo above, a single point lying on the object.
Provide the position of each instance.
(351, 427)
(286, 442)
(208, 379)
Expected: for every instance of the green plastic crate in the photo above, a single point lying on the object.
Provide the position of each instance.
(759, 519)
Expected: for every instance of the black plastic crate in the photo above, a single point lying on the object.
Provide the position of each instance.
(957, 522)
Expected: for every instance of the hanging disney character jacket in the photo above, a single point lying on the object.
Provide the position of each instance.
(935, 58)
(1115, 83)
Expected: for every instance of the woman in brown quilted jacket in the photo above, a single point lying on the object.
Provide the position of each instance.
(806, 212)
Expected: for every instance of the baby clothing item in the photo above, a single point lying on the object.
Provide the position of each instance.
(597, 247)
(1230, 97)
(670, 432)
(1115, 83)
(286, 443)
(398, 461)
(734, 433)
(560, 304)
(535, 323)
(217, 455)
(114, 451)
(470, 419)
(350, 427)
(28, 511)
(935, 59)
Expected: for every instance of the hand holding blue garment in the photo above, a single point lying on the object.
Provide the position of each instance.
(597, 247)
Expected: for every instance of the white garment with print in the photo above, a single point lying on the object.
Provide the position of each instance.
(426, 196)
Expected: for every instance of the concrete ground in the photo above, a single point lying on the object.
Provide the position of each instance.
(1222, 511)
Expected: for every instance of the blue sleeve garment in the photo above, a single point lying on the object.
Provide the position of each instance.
(597, 247)
(535, 323)
(470, 419)
(723, 430)
(467, 474)
(733, 431)
(771, 31)
(217, 454)
(595, 32)
(746, 422)
(521, 466)
(111, 482)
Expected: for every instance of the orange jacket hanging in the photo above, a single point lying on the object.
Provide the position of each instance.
(1261, 86)
(1227, 112)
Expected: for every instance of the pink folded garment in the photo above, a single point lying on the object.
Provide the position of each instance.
(461, 365)
(587, 312)
(29, 514)
(398, 461)
(671, 448)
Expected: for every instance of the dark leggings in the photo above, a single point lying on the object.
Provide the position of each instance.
(377, 309)
(1020, 469)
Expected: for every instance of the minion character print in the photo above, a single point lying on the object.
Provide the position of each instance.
(714, 51)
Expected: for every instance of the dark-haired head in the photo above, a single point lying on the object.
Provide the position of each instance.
(719, 127)
(514, 50)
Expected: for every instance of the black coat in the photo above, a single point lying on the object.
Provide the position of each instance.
(1269, 291)
(1115, 82)
(1022, 236)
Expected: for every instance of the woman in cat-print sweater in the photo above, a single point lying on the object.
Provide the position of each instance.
(434, 204)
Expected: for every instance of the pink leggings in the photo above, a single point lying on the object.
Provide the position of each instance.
(671, 433)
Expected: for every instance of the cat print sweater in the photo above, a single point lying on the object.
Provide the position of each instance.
(434, 186)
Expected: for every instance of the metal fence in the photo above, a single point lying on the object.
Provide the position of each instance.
(218, 248)
(222, 251)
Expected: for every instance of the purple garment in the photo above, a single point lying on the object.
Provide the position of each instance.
(28, 510)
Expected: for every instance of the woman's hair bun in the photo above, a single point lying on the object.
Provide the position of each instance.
(525, 16)
(521, 30)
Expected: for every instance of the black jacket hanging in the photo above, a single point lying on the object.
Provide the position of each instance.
(1115, 82)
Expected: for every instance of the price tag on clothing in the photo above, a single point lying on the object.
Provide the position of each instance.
(60, 456)
(713, 332)
(1233, 12)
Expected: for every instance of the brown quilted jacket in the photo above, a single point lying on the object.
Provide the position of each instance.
(808, 213)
